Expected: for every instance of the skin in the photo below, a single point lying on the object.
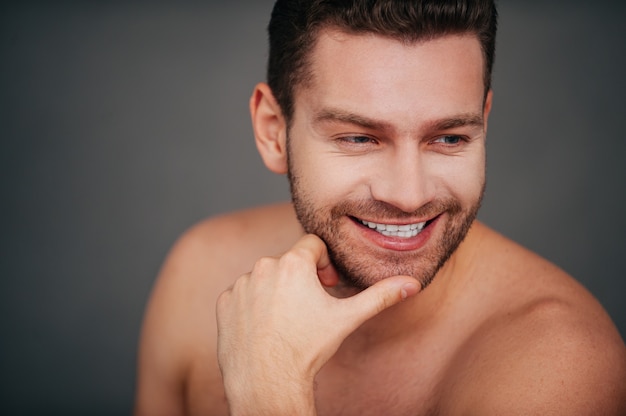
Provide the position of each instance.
(498, 331)
(397, 164)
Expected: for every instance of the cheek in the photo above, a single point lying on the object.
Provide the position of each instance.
(334, 178)
(462, 176)
(326, 176)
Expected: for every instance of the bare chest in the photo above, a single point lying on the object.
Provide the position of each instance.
(398, 383)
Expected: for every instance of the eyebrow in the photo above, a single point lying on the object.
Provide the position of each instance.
(340, 116)
(461, 120)
(446, 123)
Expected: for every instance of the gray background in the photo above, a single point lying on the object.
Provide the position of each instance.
(123, 124)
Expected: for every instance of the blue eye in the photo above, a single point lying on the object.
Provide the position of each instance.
(450, 140)
(357, 139)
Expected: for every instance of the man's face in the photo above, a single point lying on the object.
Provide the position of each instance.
(387, 152)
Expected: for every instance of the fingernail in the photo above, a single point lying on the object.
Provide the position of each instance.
(409, 289)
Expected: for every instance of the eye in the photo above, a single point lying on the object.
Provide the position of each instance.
(449, 140)
(356, 144)
(357, 139)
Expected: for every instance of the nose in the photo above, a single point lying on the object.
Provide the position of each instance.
(402, 179)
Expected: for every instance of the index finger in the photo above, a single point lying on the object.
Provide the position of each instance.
(314, 248)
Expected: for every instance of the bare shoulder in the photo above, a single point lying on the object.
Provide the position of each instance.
(177, 347)
(548, 347)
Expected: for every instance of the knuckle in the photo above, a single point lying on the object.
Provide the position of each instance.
(313, 238)
(294, 257)
(296, 253)
(263, 264)
(237, 287)
(222, 300)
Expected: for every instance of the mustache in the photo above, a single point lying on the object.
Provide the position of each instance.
(382, 210)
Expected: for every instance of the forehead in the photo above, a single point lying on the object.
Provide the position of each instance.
(372, 73)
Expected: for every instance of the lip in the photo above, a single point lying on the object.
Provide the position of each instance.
(394, 222)
(397, 243)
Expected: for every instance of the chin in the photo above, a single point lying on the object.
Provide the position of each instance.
(362, 273)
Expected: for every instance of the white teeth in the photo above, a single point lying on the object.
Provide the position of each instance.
(392, 230)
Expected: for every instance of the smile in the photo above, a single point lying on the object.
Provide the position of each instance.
(395, 230)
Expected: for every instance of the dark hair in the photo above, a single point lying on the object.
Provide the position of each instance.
(295, 24)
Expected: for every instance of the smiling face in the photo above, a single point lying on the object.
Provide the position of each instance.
(386, 151)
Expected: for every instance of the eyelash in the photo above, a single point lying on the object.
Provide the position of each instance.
(459, 140)
(353, 140)
(365, 139)
(359, 141)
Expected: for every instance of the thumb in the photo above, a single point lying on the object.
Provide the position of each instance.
(380, 296)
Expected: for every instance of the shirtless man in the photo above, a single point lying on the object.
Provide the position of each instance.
(376, 292)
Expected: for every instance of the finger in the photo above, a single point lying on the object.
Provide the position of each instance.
(380, 296)
(314, 250)
(328, 276)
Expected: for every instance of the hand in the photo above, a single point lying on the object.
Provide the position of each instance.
(277, 327)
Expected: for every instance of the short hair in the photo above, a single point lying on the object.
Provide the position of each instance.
(295, 24)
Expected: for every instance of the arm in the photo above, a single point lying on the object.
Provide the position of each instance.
(159, 372)
(179, 332)
(277, 327)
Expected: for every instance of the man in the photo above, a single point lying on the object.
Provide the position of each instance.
(384, 296)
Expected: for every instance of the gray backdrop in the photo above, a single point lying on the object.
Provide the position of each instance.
(123, 124)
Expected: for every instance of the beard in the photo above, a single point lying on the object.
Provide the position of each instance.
(360, 266)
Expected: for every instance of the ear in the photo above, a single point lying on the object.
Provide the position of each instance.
(270, 128)
(487, 107)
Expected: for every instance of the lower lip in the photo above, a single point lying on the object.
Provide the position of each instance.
(398, 243)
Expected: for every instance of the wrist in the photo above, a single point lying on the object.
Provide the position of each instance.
(271, 399)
